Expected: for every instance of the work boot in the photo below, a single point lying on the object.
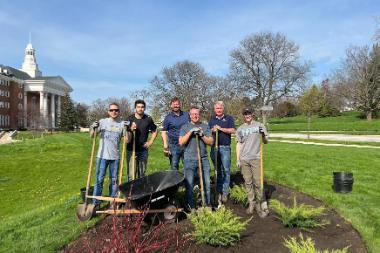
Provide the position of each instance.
(251, 207)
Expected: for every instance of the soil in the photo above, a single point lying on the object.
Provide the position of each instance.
(262, 235)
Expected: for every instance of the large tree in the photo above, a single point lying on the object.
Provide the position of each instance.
(186, 80)
(360, 75)
(81, 110)
(266, 67)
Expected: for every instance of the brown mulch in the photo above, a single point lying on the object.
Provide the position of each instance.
(261, 235)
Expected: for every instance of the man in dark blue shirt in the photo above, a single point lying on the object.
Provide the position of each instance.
(225, 125)
(170, 133)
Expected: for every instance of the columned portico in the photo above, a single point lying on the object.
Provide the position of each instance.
(50, 90)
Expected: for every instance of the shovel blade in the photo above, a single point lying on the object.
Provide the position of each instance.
(85, 211)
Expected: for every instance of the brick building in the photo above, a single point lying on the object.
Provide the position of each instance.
(11, 100)
(28, 99)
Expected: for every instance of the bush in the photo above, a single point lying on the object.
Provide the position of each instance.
(307, 246)
(219, 228)
(302, 216)
(239, 195)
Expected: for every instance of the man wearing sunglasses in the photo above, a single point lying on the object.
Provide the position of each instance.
(110, 131)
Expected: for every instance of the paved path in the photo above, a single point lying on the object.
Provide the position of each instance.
(329, 137)
(327, 144)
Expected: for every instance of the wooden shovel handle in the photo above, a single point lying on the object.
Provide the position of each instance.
(200, 169)
(90, 166)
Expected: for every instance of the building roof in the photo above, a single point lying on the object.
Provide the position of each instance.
(15, 72)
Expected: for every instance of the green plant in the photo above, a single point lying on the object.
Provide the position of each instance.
(239, 194)
(302, 216)
(219, 228)
(307, 246)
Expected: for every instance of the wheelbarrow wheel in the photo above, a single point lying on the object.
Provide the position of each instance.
(85, 211)
(171, 215)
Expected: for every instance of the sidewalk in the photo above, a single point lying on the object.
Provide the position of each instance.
(328, 137)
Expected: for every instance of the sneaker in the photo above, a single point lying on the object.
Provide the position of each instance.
(262, 209)
(224, 198)
(251, 208)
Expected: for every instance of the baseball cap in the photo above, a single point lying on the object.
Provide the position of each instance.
(247, 111)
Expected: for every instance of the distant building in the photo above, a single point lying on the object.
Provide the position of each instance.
(28, 99)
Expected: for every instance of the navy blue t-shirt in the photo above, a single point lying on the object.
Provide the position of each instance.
(173, 123)
(225, 122)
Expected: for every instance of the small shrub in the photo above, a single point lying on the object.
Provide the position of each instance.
(302, 216)
(239, 195)
(307, 246)
(219, 228)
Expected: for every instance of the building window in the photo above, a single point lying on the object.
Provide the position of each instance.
(19, 106)
(1, 104)
(8, 93)
(20, 95)
(1, 120)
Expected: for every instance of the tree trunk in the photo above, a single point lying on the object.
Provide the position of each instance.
(369, 116)
(308, 126)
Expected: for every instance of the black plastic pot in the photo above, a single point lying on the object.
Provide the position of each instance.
(343, 182)
(83, 193)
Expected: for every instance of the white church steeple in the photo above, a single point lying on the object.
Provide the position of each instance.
(30, 65)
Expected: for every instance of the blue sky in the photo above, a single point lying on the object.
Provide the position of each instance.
(111, 48)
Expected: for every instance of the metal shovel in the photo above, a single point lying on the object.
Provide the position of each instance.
(84, 210)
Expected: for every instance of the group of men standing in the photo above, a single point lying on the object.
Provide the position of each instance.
(185, 138)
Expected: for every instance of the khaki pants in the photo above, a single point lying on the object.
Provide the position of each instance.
(252, 177)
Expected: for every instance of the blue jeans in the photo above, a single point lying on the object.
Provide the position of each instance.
(176, 154)
(190, 170)
(141, 163)
(101, 167)
(224, 165)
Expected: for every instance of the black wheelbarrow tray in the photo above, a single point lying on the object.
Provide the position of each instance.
(150, 194)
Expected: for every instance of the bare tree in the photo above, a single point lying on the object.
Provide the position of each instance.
(99, 107)
(186, 80)
(266, 67)
(360, 76)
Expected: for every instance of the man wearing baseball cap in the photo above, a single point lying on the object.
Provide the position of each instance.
(248, 158)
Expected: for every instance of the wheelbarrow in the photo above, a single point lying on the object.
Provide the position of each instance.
(152, 194)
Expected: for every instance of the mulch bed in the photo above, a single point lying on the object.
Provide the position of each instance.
(261, 235)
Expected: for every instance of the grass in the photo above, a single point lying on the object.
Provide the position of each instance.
(40, 181)
(299, 215)
(348, 121)
(309, 169)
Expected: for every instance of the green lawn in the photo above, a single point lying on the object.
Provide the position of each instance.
(348, 122)
(40, 181)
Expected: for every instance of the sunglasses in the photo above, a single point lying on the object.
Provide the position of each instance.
(113, 110)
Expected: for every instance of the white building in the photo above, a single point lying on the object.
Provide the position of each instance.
(41, 95)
